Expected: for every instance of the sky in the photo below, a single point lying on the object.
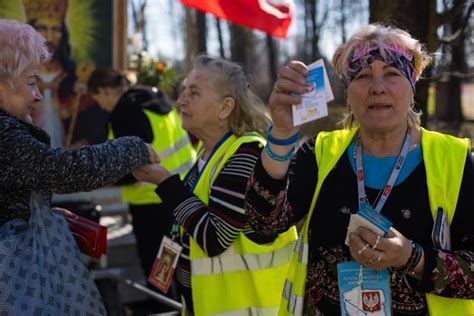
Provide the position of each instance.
(165, 35)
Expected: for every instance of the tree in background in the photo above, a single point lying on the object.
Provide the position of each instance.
(453, 67)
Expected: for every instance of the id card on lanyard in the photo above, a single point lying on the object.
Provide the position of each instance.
(364, 291)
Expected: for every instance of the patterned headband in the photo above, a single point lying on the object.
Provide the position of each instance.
(395, 56)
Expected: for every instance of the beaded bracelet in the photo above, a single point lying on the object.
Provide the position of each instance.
(415, 257)
(278, 157)
(279, 141)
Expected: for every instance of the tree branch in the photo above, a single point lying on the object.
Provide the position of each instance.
(449, 15)
(455, 37)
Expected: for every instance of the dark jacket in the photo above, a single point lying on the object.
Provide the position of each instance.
(128, 119)
(28, 163)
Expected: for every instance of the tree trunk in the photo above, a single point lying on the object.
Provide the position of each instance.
(219, 36)
(242, 44)
(271, 58)
(448, 100)
(195, 39)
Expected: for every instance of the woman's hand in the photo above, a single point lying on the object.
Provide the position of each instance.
(377, 252)
(290, 84)
(153, 173)
(154, 158)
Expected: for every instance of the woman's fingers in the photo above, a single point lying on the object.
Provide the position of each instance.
(364, 253)
(395, 248)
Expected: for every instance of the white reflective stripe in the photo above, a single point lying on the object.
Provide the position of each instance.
(165, 153)
(245, 262)
(303, 258)
(140, 184)
(184, 167)
(253, 311)
(295, 304)
(302, 249)
(287, 289)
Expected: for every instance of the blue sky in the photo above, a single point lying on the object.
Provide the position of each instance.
(165, 34)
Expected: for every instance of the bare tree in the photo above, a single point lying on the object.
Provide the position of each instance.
(453, 68)
(195, 35)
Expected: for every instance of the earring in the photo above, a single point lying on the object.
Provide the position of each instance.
(221, 124)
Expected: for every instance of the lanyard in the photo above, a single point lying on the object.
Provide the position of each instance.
(216, 147)
(387, 189)
(175, 227)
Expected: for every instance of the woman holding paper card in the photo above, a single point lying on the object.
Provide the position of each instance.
(42, 271)
(382, 164)
(225, 267)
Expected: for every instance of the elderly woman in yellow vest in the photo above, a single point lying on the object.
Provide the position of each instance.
(225, 266)
(381, 166)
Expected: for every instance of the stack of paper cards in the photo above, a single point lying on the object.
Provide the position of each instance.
(314, 103)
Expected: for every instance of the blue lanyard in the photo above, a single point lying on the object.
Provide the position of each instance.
(387, 189)
(216, 147)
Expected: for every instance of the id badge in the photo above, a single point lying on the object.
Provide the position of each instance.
(441, 234)
(363, 291)
(163, 269)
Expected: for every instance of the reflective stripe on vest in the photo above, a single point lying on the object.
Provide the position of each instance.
(174, 148)
(443, 186)
(270, 311)
(247, 278)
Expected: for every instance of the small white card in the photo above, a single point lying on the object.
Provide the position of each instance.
(314, 103)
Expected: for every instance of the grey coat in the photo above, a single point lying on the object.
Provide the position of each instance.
(28, 163)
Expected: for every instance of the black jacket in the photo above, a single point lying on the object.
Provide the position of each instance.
(128, 119)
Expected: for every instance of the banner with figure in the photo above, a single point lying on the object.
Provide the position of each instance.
(78, 33)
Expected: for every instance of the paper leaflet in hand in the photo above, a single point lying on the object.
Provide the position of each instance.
(368, 218)
(314, 103)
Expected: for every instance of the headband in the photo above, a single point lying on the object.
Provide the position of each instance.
(392, 55)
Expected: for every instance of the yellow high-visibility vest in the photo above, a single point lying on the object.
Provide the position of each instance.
(174, 148)
(247, 278)
(444, 170)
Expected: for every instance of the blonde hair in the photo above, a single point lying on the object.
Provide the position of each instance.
(21, 49)
(382, 36)
(229, 80)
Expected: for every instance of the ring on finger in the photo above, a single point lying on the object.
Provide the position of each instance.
(376, 242)
(277, 90)
(363, 249)
(370, 261)
(379, 257)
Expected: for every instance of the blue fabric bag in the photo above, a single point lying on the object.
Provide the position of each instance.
(41, 269)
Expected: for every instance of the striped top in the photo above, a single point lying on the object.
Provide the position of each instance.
(216, 226)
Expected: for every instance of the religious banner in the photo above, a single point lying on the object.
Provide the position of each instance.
(79, 35)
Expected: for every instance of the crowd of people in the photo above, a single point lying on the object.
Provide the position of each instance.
(231, 204)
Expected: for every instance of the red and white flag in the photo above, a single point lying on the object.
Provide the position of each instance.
(271, 16)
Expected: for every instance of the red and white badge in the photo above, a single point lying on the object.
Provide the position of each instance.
(164, 266)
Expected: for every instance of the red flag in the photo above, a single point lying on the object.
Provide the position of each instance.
(270, 16)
